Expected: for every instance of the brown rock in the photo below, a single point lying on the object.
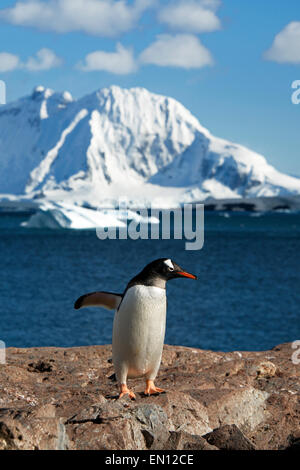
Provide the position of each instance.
(245, 406)
(183, 412)
(25, 431)
(229, 437)
(55, 398)
(184, 441)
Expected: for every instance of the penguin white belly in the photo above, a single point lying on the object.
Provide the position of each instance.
(139, 332)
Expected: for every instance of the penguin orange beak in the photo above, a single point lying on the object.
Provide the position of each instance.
(185, 274)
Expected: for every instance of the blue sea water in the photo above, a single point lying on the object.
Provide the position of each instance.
(247, 296)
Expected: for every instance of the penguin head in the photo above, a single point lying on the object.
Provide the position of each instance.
(166, 269)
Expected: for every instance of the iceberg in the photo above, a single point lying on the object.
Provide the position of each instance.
(65, 216)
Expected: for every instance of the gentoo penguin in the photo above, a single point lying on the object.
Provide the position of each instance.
(139, 322)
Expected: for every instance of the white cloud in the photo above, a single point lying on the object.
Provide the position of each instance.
(181, 50)
(8, 62)
(96, 17)
(286, 45)
(45, 59)
(194, 16)
(120, 62)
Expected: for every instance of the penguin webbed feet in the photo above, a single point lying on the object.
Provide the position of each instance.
(151, 389)
(126, 391)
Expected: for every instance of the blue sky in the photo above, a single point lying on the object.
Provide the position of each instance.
(231, 62)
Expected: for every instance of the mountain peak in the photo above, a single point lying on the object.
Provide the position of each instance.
(40, 93)
(124, 142)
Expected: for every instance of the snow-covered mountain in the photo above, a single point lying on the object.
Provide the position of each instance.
(123, 143)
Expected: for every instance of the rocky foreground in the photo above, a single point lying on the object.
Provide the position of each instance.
(54, 398)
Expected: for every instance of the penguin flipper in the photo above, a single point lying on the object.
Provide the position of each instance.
(108, 300)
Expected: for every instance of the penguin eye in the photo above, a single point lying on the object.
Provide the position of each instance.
(170, 269)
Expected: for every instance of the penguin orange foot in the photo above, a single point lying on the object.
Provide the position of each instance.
(125, 391)
(151, 389)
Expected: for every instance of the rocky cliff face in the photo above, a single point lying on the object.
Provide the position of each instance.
(54, 398)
